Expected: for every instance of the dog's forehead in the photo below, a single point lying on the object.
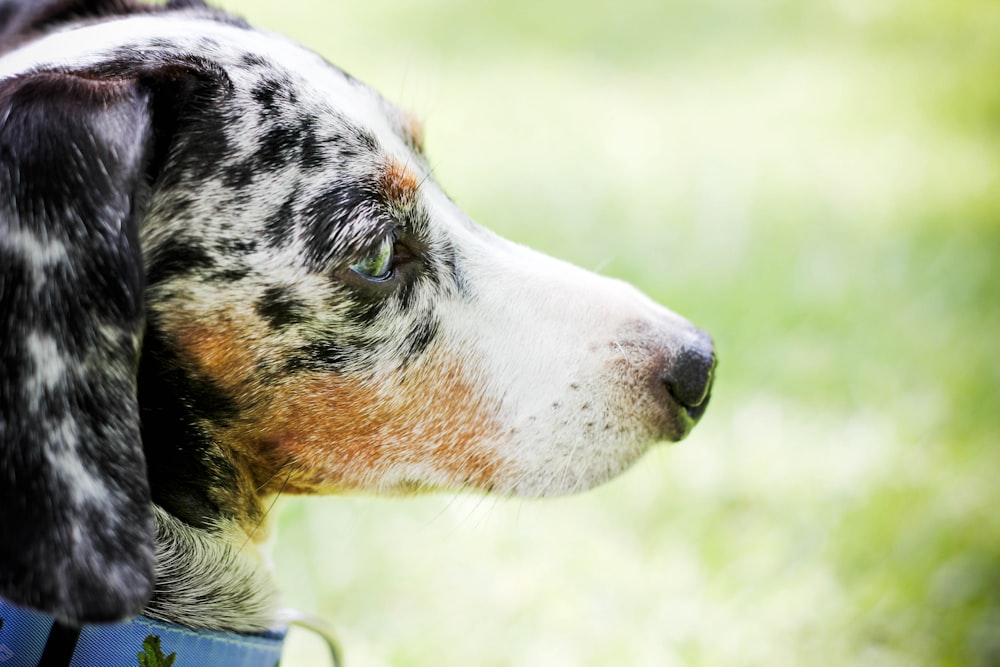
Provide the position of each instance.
(269, 67)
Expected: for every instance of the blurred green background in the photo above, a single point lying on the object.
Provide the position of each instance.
(817, 184)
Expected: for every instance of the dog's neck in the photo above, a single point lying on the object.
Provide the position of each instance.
(191, 475)
(210, 512)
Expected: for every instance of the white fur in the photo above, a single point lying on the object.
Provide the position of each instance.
(212, 579)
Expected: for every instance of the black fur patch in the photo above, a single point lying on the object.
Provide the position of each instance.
(239, 174)
(253, 60)
(176, 257)
(280, 308)
(277, 147)
(365, 306)
(311, 154)
(267, 93)
(279, 227)
(204, 143)
(334, 354)
(342, 221)
(420, 337)
(182, 464)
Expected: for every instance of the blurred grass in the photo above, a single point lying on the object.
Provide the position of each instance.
(815, 183)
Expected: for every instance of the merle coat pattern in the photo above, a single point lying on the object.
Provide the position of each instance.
(226, 272)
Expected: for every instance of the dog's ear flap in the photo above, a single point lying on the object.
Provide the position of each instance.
(75, 517)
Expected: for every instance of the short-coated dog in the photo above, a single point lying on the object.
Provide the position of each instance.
(227, 272)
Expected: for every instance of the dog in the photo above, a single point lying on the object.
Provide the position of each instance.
(227, 273)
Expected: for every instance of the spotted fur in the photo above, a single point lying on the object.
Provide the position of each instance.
(226, 272)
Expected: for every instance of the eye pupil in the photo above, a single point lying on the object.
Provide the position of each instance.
(377, 265)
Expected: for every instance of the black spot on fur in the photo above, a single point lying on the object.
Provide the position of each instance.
(15, 297)
(202, 147)
(285, 143)
(241, 173)
(277, 147)
(326, 355)
(409, 287)
(311, 156)
(280, 308)
(177, 207)
(366, 139)
(420, 337)
(267, 93)
(345, 148)
(233, 274)
(280, 225)
(176, 257)
(249, 59)
(353, 142)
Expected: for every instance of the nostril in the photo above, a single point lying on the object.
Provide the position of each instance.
(689, 378)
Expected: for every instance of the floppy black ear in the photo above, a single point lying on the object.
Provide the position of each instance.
(75, 517)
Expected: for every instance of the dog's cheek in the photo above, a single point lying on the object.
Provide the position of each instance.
(225, 352)
(423, 421)
(427, 427)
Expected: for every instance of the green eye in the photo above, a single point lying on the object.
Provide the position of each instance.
(377, 265)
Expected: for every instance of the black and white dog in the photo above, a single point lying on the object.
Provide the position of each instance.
(226, 272)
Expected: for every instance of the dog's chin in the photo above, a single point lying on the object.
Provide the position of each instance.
(567, 482)
(565, 468)
(569, 468)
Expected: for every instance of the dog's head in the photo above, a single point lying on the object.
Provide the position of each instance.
(227, 271)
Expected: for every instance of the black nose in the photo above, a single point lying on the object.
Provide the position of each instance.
(689, 377)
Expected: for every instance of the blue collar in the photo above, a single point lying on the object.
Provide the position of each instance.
(142, 642)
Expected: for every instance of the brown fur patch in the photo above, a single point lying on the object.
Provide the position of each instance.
(320, 432)
(341, 432)
(399, 184)
(348, 433)
(223, 351)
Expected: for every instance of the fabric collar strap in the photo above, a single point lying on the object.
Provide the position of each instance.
(29, 639)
